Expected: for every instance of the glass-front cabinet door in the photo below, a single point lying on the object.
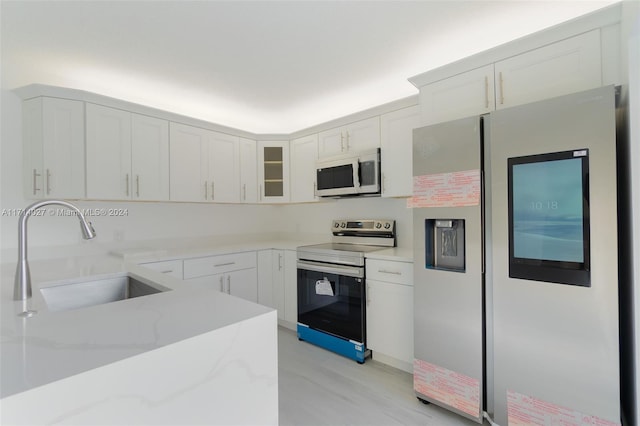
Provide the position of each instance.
(273, 171)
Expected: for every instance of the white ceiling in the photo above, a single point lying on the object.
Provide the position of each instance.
(260, 66)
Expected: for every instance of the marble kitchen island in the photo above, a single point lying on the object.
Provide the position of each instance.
(188, 355)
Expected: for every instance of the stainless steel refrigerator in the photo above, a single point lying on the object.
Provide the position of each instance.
(515, 263)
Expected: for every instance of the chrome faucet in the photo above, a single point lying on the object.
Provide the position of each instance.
(22, 288)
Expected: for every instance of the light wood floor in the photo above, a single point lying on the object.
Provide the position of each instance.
(318, 387)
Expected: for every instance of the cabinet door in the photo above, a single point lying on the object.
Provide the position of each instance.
(362, 135)
(53, 137)
(149, 158)
(568, 66)
(248, 171)
(108, 153)
(396, 142)
(331, 142)
(290, 287)
(214, 282)
(224, 168)
(463, 95)
(266, 278)
(243, 284)
(273, 171)
(390, 320)
(188, 163)
(304, 154)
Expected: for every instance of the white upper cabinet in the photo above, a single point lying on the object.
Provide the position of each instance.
(188, 157)
(353, 137)
(568, 66)
(149, 158)
(108, 153)
(248, 171)
(53, 137)
(224, 168)
(273, 171)
(127, 155)
(396, 142)
(463, 95)
(303, 157)
(205, 165)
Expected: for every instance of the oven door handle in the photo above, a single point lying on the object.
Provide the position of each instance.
(348, 271)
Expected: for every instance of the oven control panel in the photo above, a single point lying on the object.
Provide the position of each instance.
(363, 225)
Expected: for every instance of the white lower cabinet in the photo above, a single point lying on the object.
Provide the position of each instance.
(277, 284)
(234, 274)
(390, 312)
(169, 267)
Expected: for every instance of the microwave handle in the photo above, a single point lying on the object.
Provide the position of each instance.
(356, 173)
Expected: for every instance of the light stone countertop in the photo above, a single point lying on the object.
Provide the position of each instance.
(53, 345)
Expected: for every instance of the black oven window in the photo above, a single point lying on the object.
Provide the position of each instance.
(331, 303)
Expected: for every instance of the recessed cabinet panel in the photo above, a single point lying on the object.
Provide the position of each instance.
(396, 142)
(304, 154)
(54, 148)
(224, 168)
(188, 163)
(108, 153)
(248, 171)
(150, 158)
(466, 94)
(568, 66)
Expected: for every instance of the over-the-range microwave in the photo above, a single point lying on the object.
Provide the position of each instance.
(348, 175)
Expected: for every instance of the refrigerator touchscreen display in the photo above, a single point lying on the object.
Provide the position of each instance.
(548, 217)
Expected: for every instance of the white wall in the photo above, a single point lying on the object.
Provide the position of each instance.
(316, 217)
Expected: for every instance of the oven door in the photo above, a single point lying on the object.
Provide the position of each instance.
(331, 299)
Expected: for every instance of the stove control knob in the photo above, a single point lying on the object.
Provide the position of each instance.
(336, 224)
(378, 225)
(387, 225)
(343, 225)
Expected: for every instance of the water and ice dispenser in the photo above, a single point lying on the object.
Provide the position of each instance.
(444, 244)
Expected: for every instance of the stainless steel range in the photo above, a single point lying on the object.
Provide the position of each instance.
(331, 285)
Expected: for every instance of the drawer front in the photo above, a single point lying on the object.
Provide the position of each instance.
(389, 271)
(212, 265)
(169, 267)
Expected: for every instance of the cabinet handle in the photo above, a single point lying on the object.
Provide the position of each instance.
(206, 190)
(486, 92)
(382, 271)
(315, 189)
(138, 186)
(244, 192)
(501, 89)
(260, 192)
(279, 261)
(166, 272)
(35, 175)
(224, 264)
(341, 142)
(228, 284)
(221, 284)
(212, 190)
(48, 182)
(127, 185)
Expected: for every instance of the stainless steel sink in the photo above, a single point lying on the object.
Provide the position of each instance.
(77, 295)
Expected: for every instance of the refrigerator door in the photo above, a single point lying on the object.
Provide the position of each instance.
(448, 266)
(556, 345)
